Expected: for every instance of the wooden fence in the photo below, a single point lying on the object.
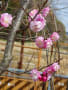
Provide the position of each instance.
(11, 82)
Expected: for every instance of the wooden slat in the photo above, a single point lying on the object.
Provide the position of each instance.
(14, 85)
(61, 87)
(23, 84)
(4, 83)
(1, 43)
(58, 80)
(17, 85)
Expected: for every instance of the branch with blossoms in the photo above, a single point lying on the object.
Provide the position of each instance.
(46, 74)
(5, 21)
(36, 25)
(37, 22)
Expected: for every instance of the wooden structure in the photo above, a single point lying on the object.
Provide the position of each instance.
(9, 83)
(12, 81)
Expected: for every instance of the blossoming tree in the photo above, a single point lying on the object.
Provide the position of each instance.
(36, 23)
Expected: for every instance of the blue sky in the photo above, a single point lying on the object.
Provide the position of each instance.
(62, 14)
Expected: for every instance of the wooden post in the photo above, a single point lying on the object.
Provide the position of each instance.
(35, 85)
(22, 51)
(39, 58)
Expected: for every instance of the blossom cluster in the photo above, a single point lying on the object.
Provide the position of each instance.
(46, 74)
(38, 23)
(42, 43)
(5, 19)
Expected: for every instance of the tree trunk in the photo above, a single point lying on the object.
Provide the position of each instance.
(9, 46)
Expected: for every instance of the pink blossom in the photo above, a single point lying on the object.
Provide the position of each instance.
(35, 74)
(38, 24)
(40, 41)
(49, 71)
(40, 18)
(44, 73)
(55, 66)
(6, 19)
(42, 78)
(49, 76)
(55, 36)
(48, 43)
(32, 14)
(45, 11)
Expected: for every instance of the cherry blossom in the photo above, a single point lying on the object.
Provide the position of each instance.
(38, 24)
(46, 74)
(40, 18)
(6, 19)
(35, 74)
(55, 36)
(45, 11)
(40, 41)
(55, 67)
(48, 43)
(32, 14)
